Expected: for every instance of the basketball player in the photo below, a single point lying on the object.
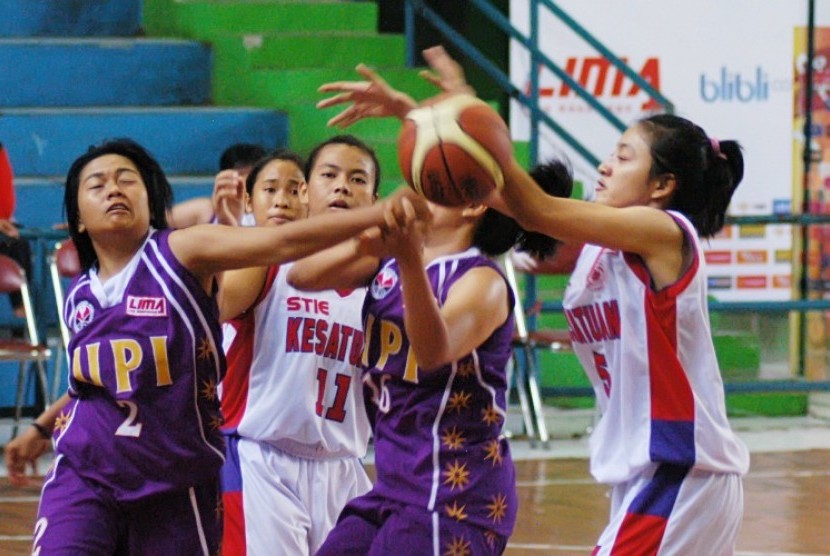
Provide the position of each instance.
(293, 399)
(638, 315)
(139, 450)
(438, 327)
(273, 196)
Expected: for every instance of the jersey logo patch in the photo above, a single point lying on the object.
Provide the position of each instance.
(146, 306)
(83, 315)
(383, 283)
(596, 277)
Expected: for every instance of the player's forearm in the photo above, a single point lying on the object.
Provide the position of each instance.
(425, 327)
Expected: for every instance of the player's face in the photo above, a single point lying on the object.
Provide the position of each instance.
(275, 197)
(624, 177)
(343, 177)
(112, 196)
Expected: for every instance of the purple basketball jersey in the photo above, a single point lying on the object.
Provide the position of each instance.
(146, 359)
(438, 441)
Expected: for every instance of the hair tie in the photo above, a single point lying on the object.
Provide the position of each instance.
(716, 148)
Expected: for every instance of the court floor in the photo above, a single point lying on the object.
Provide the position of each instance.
(562, 510)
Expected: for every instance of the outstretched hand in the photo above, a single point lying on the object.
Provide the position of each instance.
(373, 98)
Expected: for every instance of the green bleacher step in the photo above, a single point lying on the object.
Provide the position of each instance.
(209, 19)
(325, 50)
(284, 88)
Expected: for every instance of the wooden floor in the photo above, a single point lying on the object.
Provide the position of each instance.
(787, 499)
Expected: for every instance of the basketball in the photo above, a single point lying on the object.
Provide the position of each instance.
(452, 151)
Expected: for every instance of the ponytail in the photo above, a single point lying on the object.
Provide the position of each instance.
(706, 171)
(496, 233)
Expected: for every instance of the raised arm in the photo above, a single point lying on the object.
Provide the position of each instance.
(354, 262)
(209, 249)
(375, 98)
(475, 306)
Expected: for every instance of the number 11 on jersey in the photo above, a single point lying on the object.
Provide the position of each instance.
(337, 410)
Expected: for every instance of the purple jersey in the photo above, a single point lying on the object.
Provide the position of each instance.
(144, 418)
(438, 440)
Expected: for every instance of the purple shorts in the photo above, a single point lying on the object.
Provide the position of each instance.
(371, 525)
(77, 516)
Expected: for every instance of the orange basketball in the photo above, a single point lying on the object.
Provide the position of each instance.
(452, 151)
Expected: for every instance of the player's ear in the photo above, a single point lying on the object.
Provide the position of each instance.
(473, 211)
(664, 187)
(303, 192)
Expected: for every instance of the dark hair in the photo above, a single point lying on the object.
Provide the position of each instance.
(280, 154)
(159, 193)
(240, 155)
(350, 140)
(706, 171)
(496, 233)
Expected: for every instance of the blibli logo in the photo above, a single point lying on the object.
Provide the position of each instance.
(731, 86)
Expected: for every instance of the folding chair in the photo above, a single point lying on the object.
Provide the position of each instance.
(527, 374)
(64, 264)
(28, 351)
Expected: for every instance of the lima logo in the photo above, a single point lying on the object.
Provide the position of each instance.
(383, 283)
(729, 86)
(83, 315)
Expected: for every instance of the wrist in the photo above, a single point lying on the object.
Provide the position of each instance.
(42, 430)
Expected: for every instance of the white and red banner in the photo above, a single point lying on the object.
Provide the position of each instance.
(728, 66)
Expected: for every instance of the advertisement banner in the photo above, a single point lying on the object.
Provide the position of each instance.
(728, 66)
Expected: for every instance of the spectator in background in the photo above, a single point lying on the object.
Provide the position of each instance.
(11, 244)
(234, 165)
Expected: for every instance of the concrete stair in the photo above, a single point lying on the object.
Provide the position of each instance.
(276, 53)
(103, 72)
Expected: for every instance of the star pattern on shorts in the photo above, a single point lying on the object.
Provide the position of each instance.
(466, 368)
(491, 537)
(61, 422)
(459, 546)
(205, 349)
(216, 422)
(209, 390)
(490, 415)
(459, 401)
(493, 450)
(220, 508)
(498, 508)
(453, 439)
(455, 512)
(457, 475)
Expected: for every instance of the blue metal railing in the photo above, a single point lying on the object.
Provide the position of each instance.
(531, 101)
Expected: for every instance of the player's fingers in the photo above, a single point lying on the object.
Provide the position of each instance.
(341, 86)
(342, 119)
(342, 98)
(431, 77)
(391, 223)
(370, 74)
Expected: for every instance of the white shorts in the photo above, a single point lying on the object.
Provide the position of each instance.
(290, 504)
(667, 511)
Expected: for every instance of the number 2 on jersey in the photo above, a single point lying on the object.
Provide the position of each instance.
(337, 411)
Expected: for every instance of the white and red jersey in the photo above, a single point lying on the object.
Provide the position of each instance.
(650, 357)
(294, 376)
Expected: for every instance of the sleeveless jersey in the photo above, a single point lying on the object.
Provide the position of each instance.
(438, 443)
(294, 376)
(650, 357)
(144, 416)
